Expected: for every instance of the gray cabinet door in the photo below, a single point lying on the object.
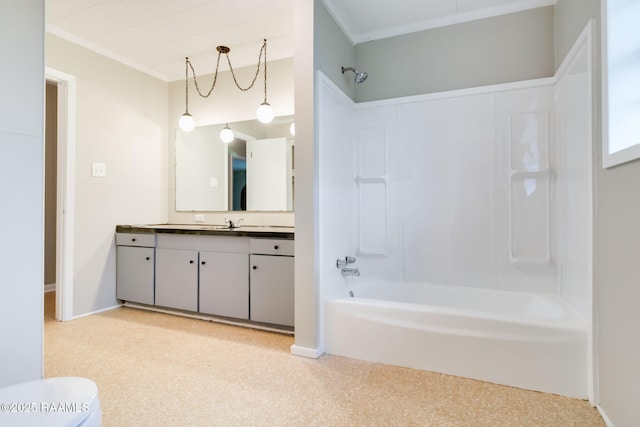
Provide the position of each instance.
(134, 278)
(271, 295)
(224, 284)
(177, 279)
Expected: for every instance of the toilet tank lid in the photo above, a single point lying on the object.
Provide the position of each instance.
(60, 401)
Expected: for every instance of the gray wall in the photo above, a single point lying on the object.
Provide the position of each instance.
(571, 18)
(618, 291)
(319, 45)
(333, 50)
(617, 233)
(21, 189)
(513, 47)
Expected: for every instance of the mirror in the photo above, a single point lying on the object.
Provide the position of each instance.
(254, 172)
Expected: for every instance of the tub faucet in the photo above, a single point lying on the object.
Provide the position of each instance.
(340, 263)
(345, 271)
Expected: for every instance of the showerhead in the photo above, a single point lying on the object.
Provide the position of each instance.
(360, 77)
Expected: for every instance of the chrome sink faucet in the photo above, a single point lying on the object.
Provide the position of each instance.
(231, 224)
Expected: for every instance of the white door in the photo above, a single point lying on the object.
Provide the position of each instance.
(267, 174)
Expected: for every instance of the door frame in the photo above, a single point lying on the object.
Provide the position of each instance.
(65, 192)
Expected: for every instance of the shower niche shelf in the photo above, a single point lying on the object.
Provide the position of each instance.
(529, 189)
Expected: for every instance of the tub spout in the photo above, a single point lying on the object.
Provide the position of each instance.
(349, 271)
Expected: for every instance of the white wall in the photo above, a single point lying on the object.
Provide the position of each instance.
(21, 190)
(122, 122)
(307, 338)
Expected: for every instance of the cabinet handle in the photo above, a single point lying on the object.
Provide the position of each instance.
(133, 240)
(203, 263)
(276, 247)
(255, 267)
(190, 261)
(147, 258)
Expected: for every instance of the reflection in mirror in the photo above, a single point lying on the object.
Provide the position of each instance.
(253, 172)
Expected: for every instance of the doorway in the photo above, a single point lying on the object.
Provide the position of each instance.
(64, 87)
(50, 195)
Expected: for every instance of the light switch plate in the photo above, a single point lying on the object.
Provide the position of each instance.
(98, 169)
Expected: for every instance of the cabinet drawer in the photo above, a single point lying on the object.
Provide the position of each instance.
(272, 247)
(135, 239)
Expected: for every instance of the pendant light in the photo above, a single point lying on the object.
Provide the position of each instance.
(264, 112)
(226, 134)
(186, 121)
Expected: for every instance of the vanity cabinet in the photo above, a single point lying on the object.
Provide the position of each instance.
(135, 257)
(206, 274)
(177, 279)
(224, 284)
(272, 281)
(232, 274)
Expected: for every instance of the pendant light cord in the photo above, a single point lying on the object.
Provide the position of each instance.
(263, 52)
(186, 85)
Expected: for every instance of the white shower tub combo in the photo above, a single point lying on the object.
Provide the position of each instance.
(524, 340)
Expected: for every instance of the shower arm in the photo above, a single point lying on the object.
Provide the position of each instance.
(360, 76)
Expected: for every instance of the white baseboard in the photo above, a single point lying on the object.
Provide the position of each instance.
(96, 312)
(312, 353)
(50, 287)
(604, 416)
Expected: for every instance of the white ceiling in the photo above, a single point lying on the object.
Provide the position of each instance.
(156, 35)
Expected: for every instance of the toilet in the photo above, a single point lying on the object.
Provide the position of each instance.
(51, 402)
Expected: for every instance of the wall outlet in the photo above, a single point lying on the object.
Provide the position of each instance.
(98, 169)
(199, 218)
(213, 182)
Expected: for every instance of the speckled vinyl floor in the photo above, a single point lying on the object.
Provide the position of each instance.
(156, 369)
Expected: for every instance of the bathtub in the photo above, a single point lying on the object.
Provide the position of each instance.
(530, 341)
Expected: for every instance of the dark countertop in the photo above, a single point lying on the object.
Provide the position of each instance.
(210, 230)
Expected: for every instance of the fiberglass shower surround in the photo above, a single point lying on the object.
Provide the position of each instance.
(457, 191)
(468, 212)
(463, 188)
